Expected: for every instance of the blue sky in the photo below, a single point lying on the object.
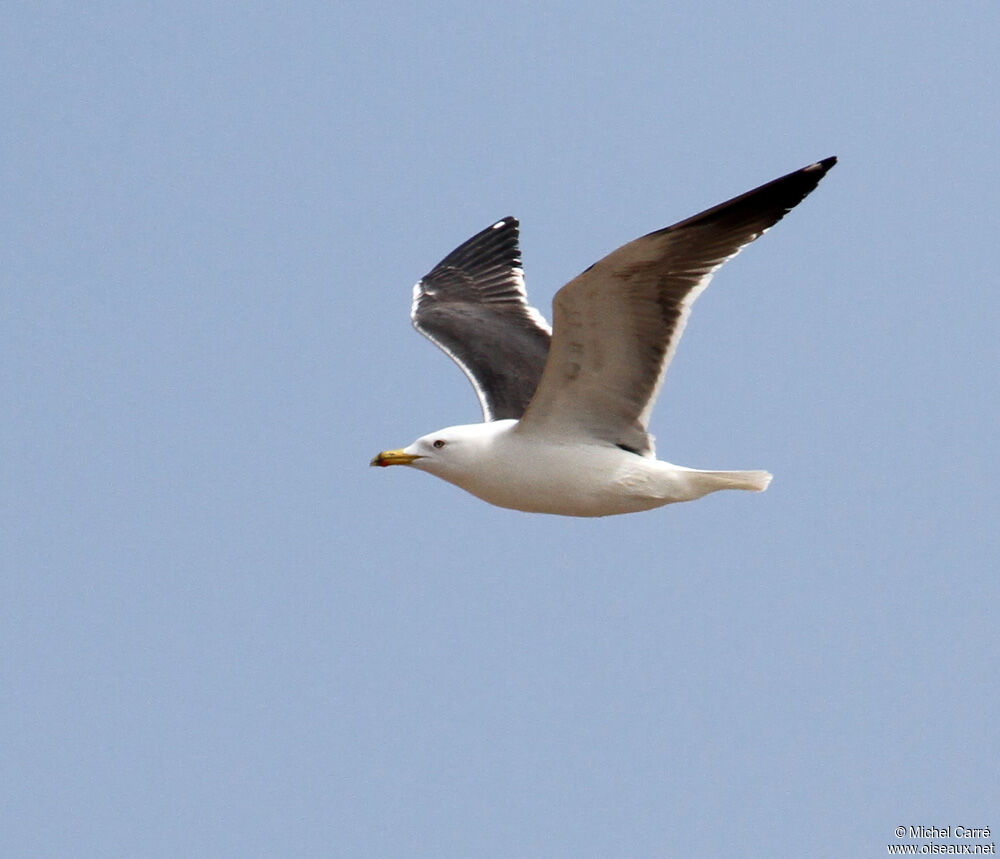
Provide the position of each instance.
(223, 634)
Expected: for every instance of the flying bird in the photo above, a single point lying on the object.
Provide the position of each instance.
(566, 410)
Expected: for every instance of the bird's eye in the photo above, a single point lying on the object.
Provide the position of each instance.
(439, 443)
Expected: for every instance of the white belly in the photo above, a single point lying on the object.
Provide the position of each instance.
(575, 480)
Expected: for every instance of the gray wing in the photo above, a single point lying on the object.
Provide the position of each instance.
(617, 325)
(474, 307)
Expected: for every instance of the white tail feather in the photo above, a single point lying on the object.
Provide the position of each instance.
(754, 481)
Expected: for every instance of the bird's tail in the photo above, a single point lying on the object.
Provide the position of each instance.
(754, 481)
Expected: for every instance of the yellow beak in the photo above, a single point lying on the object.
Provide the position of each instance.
(394, 457)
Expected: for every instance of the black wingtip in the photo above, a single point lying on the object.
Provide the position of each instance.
(497, 245)
(764, 206)
(823, 165)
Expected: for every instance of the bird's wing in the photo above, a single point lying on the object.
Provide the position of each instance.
(617, 325)
(474, 307)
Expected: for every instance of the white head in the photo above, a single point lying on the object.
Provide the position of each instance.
(448, 453)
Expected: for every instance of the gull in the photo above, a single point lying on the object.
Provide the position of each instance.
(566, 410)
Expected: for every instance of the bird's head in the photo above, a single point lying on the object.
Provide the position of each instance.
(445, 453)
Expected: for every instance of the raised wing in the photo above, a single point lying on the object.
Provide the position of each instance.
(474, 307)
(617, 325)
